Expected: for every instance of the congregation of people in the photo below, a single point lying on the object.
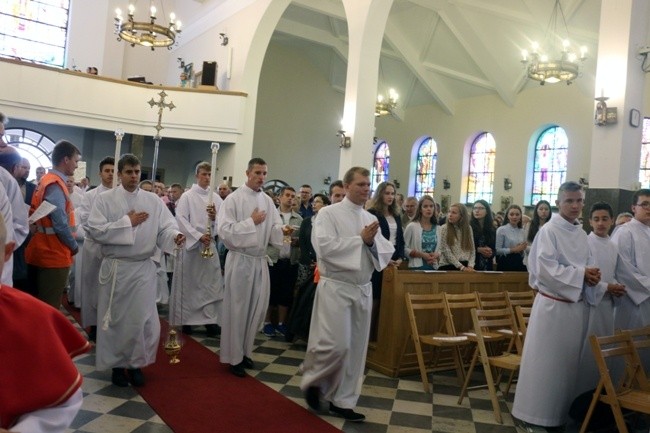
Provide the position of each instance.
(291, 263)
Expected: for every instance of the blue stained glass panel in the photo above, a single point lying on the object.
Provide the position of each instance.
(380, 166)
(550, 164)
(480, 179)
(425, 170)
(644, 166)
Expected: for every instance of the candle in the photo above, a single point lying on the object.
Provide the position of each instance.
(119, 133)
(213, 174)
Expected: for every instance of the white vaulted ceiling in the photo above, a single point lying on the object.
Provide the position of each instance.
(441, 51)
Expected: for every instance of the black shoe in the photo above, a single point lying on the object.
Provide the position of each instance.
(92, 334)
(238, 370)
(212, 331)
(135, 376)
(119, 377)
(347, 414)
(187, 330)
(248, 363)
(312, 397)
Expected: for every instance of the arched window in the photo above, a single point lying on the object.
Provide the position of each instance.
(549, 167)
(425, 169)
(644, 167)
(34, 30)
(32, 145)
(480, 180)
(380, 165)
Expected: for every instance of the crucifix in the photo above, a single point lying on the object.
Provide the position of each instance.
(161, 104)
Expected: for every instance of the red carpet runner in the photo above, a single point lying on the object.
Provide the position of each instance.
(200, 395)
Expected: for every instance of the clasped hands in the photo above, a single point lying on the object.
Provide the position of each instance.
(592, 276)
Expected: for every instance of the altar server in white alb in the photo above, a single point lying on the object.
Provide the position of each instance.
(129, 223)
(633, 241)
(91, 251)
(561, 267)
(246, 223)
(349, 248)
(197, 289)
(602, 297)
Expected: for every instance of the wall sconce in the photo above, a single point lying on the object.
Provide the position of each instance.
(224, 39)
(396, 183)
(327, 180)
(345, 140)
(605, 115)
(584, 182)
(507, 184)
(446, 184)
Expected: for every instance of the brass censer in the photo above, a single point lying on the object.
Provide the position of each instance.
(172, 347)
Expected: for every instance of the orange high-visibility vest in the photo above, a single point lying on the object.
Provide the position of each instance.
(45, 250)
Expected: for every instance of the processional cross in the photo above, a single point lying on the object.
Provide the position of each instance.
(161, 104)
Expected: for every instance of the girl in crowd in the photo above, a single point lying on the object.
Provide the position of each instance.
(384, 207)
(421, 236)
(484, 235)
(511, 242)
(456, 242)
(541, 215)
(307, 253)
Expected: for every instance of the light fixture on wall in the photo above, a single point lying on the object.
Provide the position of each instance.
(507, 183)
(224, 39)
(446, 184)
(604, 115)
(147, 33)
(554, 62)
(345, 140)
(396, 183)
(327, 180)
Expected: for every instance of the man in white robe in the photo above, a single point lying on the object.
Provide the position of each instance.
(633, 241)
(197, 289)
(74, 280)
(349, 248)
(560, 266)
(247, 222)
(18, 223)
(91, 258)
(129, 224)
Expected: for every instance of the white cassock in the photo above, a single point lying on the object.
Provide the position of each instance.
(600, 319)
(555, 336)
(340, 322)
(17, 226)
(7, 214)
(246, 277)
(197, 289)
(129, 327)
(91, 259)
(633, 241)
(56, 419)
(74, 292)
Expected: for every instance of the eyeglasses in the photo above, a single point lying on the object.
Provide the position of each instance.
(478, 208)
(644, 205)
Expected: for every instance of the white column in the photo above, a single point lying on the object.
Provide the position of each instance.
(366, 25)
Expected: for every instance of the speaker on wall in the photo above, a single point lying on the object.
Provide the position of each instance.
(209, 74)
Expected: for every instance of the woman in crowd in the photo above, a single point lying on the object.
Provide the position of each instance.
(484, 235)
(384, 207)
(541, 215)
(456, 242)
(421, 236)
(307, 253)
(511, 242)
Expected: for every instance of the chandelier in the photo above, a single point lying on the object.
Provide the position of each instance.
(146, 33)
(386, 106)
(558, 62)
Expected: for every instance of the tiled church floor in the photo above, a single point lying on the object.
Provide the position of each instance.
(390, 405)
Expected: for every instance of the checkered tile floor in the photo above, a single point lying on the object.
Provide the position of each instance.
(390, 405)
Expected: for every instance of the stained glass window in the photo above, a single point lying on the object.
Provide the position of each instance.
(480, 180)
(644, 167)
(380, 165)
(32, 145)
(34, 30)
(425, 170)
(549, 168)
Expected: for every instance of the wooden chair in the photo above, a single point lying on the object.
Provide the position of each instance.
(524, 299)
(633, 392)
(487, 324)
(523, 317)
(441, 338)
(492, 301)
(459, 307)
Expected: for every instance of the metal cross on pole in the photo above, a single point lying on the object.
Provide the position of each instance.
(161, 104)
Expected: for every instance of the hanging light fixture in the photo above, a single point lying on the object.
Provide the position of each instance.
(385, 106)
(555, 61)
(146, 33)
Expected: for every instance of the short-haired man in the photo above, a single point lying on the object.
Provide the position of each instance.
(349, 247)
(129, 224)
(409, 207)
(197, 292)
(91, 257)
(305, 209)
(561, 267)
(49, 253)
(247, 222)
(337, 191)
(41, 386)
(40, 172)
(633, 241)
(284, 270)
(224, 190)
(146, 185)
(27, 189)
